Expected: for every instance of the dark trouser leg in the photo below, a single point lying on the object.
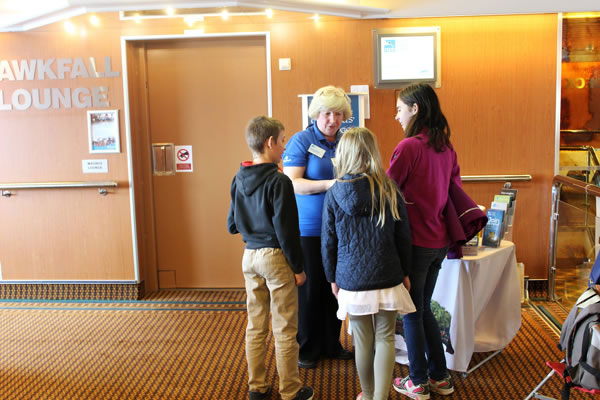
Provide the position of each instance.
(422, 334)
(318, 326)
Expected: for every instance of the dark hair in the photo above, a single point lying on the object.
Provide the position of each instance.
(259, 130)
(429, 115)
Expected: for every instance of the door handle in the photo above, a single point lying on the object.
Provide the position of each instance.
(163, 159)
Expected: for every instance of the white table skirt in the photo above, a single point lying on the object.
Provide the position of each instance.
(482, 295)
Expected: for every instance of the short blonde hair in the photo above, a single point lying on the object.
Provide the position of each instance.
(357, 153)
(330, 98)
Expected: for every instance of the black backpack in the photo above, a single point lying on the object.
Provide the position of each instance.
(580, 341)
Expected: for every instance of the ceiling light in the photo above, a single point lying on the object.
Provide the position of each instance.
(69, 27)
(94, 20)
(194, 14)
(197, 31)
(190, 20)
(315, 17)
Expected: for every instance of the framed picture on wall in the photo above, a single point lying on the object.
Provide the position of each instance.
(103, 131)
(407, 55)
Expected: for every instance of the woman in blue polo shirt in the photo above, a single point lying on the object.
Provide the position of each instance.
(307, 161)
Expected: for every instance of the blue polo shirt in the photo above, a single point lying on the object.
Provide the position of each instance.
(297, 154)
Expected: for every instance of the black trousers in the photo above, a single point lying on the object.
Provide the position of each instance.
(318, 325)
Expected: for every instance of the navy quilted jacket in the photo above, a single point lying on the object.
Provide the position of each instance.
(357, 254)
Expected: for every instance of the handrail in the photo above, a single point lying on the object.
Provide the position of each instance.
(579, 131)
(575, 148)
(495, 178)
(577, 184)
(100, 185)
(591, 153)
(557, 183)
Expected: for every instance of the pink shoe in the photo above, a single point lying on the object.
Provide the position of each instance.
(443, 387)
(359, 397)
(408, 388)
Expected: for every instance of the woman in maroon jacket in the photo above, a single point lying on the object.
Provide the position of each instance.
(423, 165)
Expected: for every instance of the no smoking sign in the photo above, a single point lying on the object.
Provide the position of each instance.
(184, 161)
(183, 155)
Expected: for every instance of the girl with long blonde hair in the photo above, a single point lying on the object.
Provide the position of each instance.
(366, 248)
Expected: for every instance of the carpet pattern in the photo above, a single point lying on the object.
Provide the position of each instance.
(77, 291)
(554, 313)
(190, 345)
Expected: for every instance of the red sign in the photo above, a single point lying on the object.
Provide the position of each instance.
(183, 154)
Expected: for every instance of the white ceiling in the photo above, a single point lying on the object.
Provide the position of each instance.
(22, 15)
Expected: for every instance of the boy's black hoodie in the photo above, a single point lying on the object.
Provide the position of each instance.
(263, 209)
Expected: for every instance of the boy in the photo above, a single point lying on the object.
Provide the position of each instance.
(263, 209)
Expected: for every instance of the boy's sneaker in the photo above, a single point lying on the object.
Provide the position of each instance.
(305, 393)
(407, 388)
(254, 395)
(443, 387)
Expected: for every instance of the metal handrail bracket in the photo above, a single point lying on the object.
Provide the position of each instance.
(102, 186)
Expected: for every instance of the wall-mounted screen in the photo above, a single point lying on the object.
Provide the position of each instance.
(407, 55)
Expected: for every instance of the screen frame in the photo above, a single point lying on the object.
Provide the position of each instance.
(378, 34)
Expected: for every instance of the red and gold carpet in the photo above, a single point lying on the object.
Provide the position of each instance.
(190, 345)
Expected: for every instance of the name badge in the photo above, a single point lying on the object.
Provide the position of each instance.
(316, 150)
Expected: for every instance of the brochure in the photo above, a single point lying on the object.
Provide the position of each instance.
(492, 233)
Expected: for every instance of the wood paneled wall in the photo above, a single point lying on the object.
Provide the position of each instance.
(61, 234)
(498, 93)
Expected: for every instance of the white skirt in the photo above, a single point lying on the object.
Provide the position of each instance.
(367, 302)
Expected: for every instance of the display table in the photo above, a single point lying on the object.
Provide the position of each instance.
(481, 296)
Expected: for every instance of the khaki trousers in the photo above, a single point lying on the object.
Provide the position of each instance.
(271, 285)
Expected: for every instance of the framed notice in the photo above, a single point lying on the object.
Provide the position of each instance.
(103, 131)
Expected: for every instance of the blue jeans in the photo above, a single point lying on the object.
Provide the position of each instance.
(421, 330)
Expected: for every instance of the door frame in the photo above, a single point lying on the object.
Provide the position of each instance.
(152, 270)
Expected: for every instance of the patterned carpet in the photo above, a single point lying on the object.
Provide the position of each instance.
(189, 344)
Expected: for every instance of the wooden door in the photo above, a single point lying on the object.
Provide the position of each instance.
(201, 93)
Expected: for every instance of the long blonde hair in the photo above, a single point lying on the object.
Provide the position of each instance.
(357, 154)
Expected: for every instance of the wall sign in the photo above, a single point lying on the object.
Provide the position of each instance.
(50, 70)
(95, 166)
(183, 159)
(103, 131)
